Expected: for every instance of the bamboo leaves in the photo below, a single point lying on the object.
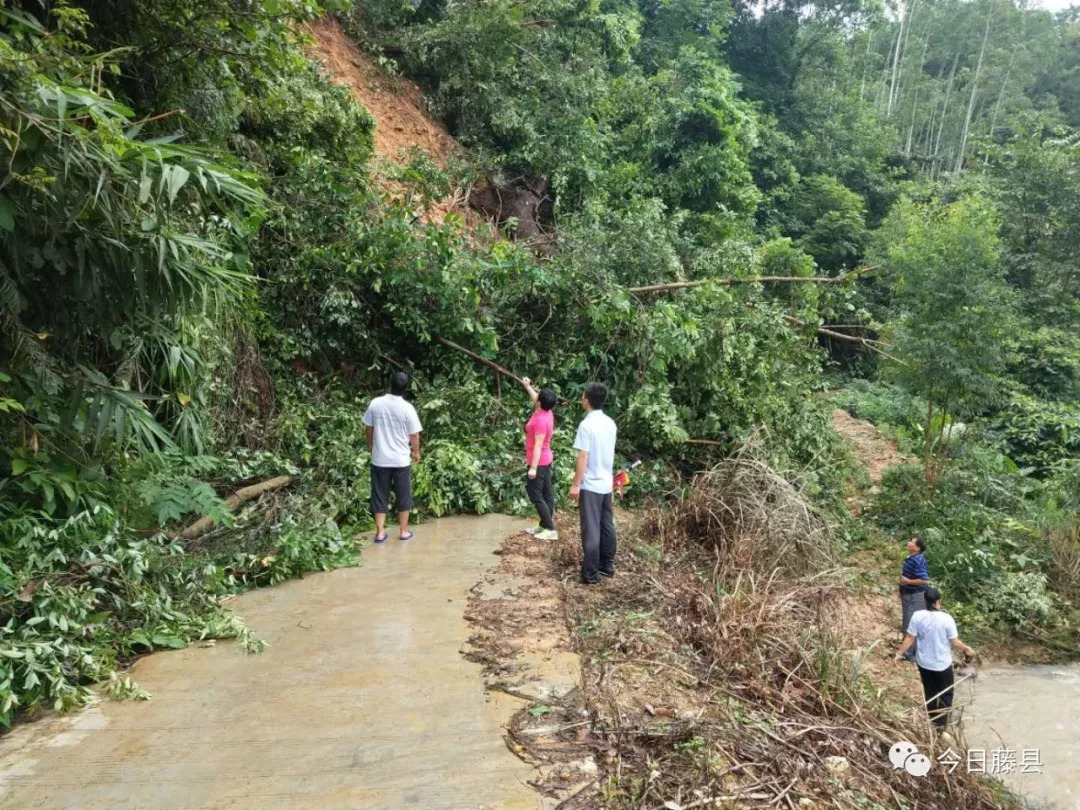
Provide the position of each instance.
(101, 229)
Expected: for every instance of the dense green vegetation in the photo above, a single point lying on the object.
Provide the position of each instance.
(201, 283)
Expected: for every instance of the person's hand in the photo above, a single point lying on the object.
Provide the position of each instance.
(532, 472)
(898, 658)
(416, 456)
(526, 380)
(575, 492)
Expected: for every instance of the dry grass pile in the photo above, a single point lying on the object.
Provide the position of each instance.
(754, 518)
(713, 677)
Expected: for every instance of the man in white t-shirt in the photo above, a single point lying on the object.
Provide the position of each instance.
(593, 483)
(393, 437)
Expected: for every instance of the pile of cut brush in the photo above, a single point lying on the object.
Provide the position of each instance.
(714, 679)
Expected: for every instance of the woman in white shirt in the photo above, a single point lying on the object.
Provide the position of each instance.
(935, 632)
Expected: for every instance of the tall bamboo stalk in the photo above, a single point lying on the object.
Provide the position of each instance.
(944, 110)
(974, 91)
(896, 61)
(903, 52)
(928, 129)
(1004, 84)
(915, 99)
(866, 67)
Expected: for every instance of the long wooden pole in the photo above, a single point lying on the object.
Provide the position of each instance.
(480, 359)
(680, 285)
(511, 375)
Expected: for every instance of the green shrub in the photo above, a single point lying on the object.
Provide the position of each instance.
(882, 404)
(1020, 599)
(447, 479)
(1038, 434)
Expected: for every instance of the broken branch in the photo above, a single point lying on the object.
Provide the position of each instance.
(873, 345)
(480, 359)
(242, 495)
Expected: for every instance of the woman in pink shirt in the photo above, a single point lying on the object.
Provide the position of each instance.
(538, 458)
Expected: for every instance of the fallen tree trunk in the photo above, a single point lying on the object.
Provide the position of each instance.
(242, 495)
(681, 285)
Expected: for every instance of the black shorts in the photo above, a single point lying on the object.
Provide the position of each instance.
(383, 479)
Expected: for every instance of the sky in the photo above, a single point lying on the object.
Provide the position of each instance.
(1053, 5)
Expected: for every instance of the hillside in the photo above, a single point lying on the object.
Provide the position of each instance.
(401, 122)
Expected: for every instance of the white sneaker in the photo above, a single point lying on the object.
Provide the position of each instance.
(547, 534)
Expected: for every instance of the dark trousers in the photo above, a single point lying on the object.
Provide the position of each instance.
(385, 479)
(909, 603)
(938, 689)
(597, 535)
(542, 495)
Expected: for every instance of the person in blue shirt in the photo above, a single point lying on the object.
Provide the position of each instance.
(914, 580)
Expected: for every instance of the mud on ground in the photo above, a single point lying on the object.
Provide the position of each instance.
(521, 637)
(655, 722)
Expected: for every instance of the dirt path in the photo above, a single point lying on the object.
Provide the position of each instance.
(868, 616)
(876, 453)
(362, 700)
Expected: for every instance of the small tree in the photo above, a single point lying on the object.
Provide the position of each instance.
(954, 313)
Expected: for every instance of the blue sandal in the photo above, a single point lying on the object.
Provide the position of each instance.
(380, 538)
(408, 536)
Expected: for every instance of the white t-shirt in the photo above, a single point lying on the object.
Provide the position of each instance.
(596, 436)
(393, 420)
(933, 630)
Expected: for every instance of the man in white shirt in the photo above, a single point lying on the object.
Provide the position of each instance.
(593, 483)
(393, 437)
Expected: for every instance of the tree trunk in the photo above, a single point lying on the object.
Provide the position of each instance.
(974, 91)
(896, 61)
(889, 61)
(242, 495)
(911, 127)
(944, 110)
(903, 54)
(866, 66)
(915, 98)
(1001, 94)
(997, 104)
(926, 437)
(927, 135)
(1004, 84)
(938, 447)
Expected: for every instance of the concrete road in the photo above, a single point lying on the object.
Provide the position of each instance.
(362, 700)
